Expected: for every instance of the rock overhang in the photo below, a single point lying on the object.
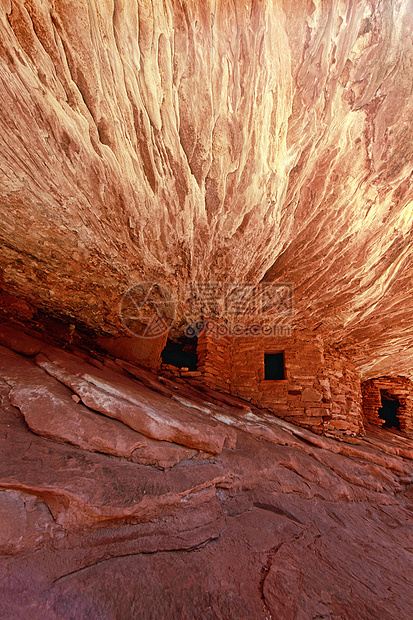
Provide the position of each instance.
(256, 143)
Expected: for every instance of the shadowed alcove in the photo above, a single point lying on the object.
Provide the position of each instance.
(388, 402)
(389, 410)
(181, 353)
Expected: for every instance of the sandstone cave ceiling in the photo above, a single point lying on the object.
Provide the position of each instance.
(210, 140)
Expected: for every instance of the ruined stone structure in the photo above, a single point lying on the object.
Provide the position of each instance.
(399, 389)
(319, 388)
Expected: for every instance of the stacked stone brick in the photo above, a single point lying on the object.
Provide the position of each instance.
(399, 387)
(214, 360)
(168, 369)
(320, 391)
(343, 389)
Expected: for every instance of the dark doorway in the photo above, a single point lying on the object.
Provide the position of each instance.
(181, 354)
(274, 366)
(388, 411)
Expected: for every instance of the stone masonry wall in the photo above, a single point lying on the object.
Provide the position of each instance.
(342, 387)
(297, 398)
(214, 360)
(401, 388)
(321, 390)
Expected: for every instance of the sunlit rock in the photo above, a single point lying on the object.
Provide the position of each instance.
(212, 141)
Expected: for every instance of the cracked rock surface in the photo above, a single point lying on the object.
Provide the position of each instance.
(276, 523)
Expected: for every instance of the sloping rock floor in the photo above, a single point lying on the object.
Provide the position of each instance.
(128, 495)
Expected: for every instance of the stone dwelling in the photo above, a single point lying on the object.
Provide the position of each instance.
(294, 376)
(302, 381)
(388, 402)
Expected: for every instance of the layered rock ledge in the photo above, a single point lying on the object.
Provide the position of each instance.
(217, 510)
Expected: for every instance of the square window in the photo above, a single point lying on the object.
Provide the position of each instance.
(274, 366)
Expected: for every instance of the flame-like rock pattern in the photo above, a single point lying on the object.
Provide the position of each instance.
(214, 140)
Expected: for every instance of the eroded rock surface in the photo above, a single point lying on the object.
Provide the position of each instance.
(282, 523)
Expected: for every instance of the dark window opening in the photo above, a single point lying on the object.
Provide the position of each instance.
(388, 411)
(274, 366)
(181, 354)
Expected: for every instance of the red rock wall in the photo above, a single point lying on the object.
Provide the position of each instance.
(400, 387)
(143, 351)
(321, 389)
